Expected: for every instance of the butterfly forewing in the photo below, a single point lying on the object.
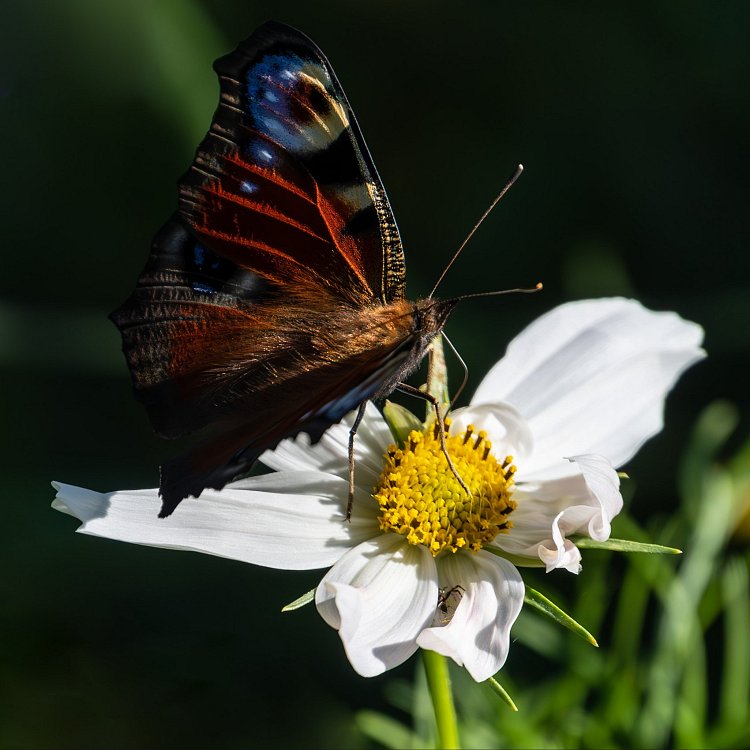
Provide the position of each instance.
(283, 183)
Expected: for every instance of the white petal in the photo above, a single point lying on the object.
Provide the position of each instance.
(604, 486)
(331, 454)
(592, 376)
(290, 520)
(506, 429)
(550, 511)
(478, 635)
(562, 553)
(379, 596)
(536, 535)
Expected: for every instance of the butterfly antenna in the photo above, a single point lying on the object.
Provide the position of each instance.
(531, 290)
(506, 188)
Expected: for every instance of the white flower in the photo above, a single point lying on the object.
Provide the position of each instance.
(578, 392)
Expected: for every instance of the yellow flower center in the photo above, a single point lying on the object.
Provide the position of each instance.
(420, 497)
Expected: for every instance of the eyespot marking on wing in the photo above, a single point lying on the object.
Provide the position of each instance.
(293, 100)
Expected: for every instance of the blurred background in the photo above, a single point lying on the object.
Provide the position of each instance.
(632, 122)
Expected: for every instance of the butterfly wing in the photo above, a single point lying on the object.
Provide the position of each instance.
(244, 323)
(283, 184)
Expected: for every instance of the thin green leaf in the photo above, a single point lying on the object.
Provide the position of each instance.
(675, 636)
(500, 691)
(300, 602)
(540, 602)
(690, 725)
(734, 700)
(713, 428)
(626, 545)
(657, 571)
(385, 730)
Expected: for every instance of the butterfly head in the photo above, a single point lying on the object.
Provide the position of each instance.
(431, 315)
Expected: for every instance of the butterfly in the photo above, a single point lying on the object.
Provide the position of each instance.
(273, 299)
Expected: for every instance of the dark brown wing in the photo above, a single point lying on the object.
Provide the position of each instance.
(247, 323)
(216, 348)
(283, 183)
(309, 400)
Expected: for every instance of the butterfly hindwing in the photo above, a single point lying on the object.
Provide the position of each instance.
(233, 446)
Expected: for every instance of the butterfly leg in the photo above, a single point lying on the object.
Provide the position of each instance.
(352, 433)
(412, 391)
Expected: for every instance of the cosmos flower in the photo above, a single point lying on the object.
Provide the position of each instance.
(422, 564)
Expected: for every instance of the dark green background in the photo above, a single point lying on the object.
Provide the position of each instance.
(632, 122)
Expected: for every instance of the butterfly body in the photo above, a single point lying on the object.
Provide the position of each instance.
(273, 300)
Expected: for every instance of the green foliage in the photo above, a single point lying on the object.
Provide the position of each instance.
(673, 624)
(542, 604)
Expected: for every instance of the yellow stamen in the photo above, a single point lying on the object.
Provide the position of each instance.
(421, 498)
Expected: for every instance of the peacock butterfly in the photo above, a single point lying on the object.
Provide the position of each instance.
(273, 299)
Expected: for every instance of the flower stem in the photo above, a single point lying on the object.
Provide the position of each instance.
(436, 666)
(437, 376)
(439, 684)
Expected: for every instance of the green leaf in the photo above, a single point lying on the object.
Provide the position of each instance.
(300, 602)
(734, 698)
(625, 545)
(500, 691)
(540, 602)
(400, 421)
(713, 428)
(385, 730)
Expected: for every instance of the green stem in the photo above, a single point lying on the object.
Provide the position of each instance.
(439, 684)
(436, 666)
(437, 377)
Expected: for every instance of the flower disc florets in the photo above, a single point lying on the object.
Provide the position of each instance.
(420, 497)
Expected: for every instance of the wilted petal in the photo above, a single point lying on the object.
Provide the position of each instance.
(550, 511)
(604, 487)
(536, 535)
(561, 553)
(379, 596)
(478, 635)
(292, 521)
(591, 377)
